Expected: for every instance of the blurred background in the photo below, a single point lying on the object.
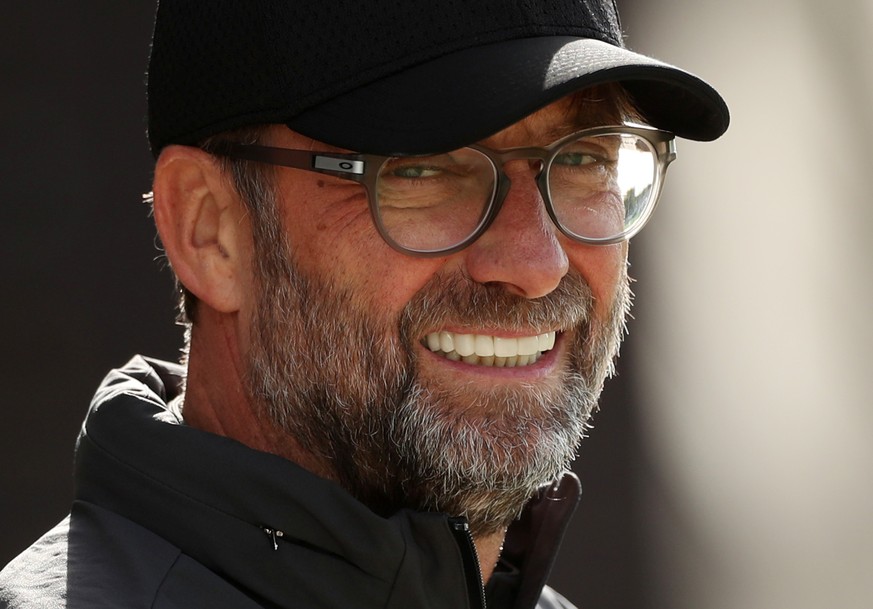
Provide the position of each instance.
(730, 465)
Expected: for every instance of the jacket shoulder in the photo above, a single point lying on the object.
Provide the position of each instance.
(93, 558)
(96, 559)
(550, 599)
(38, 576)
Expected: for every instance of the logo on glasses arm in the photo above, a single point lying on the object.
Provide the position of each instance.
(342, 165)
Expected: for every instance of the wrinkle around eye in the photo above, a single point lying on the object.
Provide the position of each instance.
(343, 220)
(413, 172)
(337, 205)
(343, 192)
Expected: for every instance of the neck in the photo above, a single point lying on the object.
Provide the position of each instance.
(488, 548)
(216, 397)
(216, 401)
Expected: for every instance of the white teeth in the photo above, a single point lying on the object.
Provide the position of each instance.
(528, 345)
(484, 346)
(465, 344)
(505, 347)
(484, 350)
(546, 341)
(433, 342)
(446, 343)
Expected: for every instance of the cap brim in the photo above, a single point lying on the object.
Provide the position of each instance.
(465, 96)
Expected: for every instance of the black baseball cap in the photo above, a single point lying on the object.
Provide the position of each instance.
(399, 76)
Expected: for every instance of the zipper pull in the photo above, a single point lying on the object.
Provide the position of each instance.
(274, 535)
(475, 586)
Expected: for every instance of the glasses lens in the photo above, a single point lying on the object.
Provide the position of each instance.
(603, 187)
(432, 203)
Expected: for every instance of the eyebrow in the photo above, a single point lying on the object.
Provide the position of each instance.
(556, 131)
(582, 114)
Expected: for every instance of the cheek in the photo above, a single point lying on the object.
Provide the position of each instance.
(604, 267)
(318, 219)
(383, 279)
(332, 235)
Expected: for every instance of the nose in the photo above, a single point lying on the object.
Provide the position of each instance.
(521, 249)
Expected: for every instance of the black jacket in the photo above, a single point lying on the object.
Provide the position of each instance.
(167, 516)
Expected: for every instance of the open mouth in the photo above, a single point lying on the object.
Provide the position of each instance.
(485, 350)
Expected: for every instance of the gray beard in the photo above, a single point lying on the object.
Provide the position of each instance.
(345, 385)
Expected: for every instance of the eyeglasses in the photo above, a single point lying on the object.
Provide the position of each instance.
(600, 185)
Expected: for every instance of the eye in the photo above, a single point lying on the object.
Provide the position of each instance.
(415, 172)
(588, 152)
(577, 158)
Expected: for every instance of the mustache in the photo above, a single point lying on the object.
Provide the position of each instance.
(455, 299)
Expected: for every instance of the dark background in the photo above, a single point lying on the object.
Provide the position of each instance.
(84, 288)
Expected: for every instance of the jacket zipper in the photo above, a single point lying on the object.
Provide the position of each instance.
(274, 536)
(475, 588)
(470, 557)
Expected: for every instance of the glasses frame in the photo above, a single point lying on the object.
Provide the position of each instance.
(364, 169)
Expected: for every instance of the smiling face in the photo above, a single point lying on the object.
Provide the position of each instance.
(457, 384)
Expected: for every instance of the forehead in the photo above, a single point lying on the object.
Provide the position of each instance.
(598, 106)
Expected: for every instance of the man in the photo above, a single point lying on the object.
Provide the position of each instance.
(400, 235)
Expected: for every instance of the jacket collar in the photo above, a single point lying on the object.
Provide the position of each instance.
(225, 505)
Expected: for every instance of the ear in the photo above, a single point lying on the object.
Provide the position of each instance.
(203, 227)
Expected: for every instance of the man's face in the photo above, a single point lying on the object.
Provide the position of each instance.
(355, 347)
